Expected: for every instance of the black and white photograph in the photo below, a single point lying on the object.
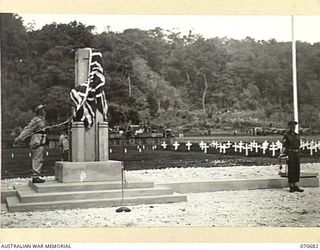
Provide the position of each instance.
(143, 121)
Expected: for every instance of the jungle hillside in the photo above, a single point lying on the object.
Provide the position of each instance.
(159, 76)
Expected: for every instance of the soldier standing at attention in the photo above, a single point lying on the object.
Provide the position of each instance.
(291, 147)
(35, 129)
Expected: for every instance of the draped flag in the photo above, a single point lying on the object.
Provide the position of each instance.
(90, 96)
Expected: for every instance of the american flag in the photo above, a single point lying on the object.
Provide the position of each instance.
(90, 96)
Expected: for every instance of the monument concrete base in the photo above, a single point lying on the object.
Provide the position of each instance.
(67, 172)
(307, 180)
(56, 195)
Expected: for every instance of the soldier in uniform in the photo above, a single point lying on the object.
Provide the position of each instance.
(35, 129)
(64, 145)
(291, 147)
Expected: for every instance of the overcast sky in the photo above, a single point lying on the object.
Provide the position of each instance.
(238, 27)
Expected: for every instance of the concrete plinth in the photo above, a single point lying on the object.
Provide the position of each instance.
(88, 171)
(103, 141)
(77, 141)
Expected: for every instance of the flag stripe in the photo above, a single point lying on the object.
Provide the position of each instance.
(90, 96)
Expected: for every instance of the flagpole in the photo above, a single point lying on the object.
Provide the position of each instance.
(294, 77)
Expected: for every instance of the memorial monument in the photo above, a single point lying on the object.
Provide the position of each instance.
(90, 179)
(89, 141)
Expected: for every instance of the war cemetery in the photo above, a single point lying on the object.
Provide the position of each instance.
(134, 139)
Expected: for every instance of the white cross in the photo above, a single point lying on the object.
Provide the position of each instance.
(214, 144)
(219, 147)
(143, 147)
(201, 144)
(256, 146)
(223, 148)
(139, 150)
(164, 145)
(110, 150)
(312, 147)
(240, 146)
(188, 145)
(273, 148)
(229, 144)
(205, 147)
(155, 147)
(235, 146)
(246, 148)
(306, 145)
(264, 146)
(252, 143)
(125, 151)
(47, 153)
(176, 145)
(12, 155)
(311, 150)
(312, 143)
(30, 155)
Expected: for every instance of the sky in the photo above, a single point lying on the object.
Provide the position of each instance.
(306, 28)
(259, 27)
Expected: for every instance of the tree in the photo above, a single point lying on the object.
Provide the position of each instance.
(158, 76)
(309, 115)
(14, 40)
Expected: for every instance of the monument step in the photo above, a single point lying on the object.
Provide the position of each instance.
(237, 184)
(302, 175)
(27, 195)
(56, 186)
(14, 204)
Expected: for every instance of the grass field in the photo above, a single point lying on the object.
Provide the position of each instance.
(17, 162)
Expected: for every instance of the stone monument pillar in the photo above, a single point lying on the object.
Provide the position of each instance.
(90, 136)
(90, 150)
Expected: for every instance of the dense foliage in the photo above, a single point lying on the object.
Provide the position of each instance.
(159, 76)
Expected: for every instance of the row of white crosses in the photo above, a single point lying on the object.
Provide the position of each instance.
(240, 146)
(312, 146)
(274, 147)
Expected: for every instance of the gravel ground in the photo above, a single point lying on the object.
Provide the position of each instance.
(252, 208)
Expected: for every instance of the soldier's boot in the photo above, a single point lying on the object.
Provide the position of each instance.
(296, 188)
(291, 188)
(37, 180)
